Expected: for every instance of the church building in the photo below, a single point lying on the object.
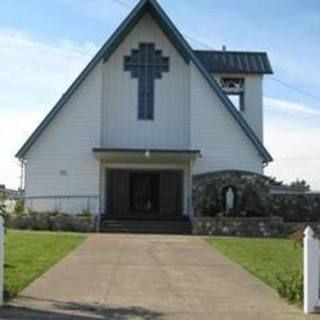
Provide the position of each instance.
(147, 115)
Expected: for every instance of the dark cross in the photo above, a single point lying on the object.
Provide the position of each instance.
(146, 64)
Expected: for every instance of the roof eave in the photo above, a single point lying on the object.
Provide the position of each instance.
(265, 68)
(236, 115)
(103, 53)
(151, 7)
(96, 59)
(214, 85)
(243, 72)
(183, 47)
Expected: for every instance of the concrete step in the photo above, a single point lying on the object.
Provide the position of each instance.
(317, 310)
(148, 227)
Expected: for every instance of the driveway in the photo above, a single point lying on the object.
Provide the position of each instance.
(148, 277)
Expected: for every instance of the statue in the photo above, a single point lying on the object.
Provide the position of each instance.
(229, 199)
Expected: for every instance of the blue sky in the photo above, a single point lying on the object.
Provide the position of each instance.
(45, 44)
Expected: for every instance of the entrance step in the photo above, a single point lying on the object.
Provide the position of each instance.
(146, 227)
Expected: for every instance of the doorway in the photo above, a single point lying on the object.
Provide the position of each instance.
(145, 195)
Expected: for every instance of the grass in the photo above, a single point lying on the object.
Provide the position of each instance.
(265, 258)
(29, 254)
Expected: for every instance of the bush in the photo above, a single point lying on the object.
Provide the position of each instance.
(51, 221)
(290, 287)
(2, 204)
(298, 235)
(85, 213)
(19, 206)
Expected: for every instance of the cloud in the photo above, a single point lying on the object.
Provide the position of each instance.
(289, 107)
(104, 10)
(14, 128)
(37, 72)
(298, 68)
(33, 76)
(292, 135)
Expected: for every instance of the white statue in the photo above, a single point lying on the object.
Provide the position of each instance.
(229, 199)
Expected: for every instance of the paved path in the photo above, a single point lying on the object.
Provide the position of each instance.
(124, 277)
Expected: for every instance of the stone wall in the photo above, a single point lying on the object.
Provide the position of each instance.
(248, 227)
(251, 193)
(254, 197)
(296, 207)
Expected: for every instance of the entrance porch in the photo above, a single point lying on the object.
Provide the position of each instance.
(145, 185)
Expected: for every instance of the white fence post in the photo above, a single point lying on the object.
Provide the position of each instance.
(1, 259)
(310, 271)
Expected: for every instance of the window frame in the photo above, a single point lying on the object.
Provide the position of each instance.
(146, 64)
(241, 106)
(240, 92)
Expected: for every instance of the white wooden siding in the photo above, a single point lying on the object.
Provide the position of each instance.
(170, 128)
(71, 205)
(254, 103)
(103, 113)
(223, 143)
(253, 100)
(61, 161)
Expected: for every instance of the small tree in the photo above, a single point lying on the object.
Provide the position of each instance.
(3, 199)
(301, 185)
(274, 181)
(19, 206)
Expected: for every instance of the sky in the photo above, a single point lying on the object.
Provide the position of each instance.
(44, 45)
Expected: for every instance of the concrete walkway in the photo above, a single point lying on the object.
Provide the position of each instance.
(124, 277)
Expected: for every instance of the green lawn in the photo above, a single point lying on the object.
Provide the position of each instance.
(30, 254)
(265, 258)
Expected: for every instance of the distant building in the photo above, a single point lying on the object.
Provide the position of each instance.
(9, 193)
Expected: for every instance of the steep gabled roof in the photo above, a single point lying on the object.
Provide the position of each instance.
(152, 7)
(235, 61)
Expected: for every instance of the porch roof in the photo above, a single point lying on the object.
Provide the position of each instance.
(106, 153)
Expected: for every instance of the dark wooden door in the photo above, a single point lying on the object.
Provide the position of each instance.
(144, 194)
(118, 193)
(170, 196)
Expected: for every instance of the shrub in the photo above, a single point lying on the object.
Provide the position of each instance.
(51, 221)
(298, 235)
(85, 213)
(2, 204)
(290, 287)
(19, 206)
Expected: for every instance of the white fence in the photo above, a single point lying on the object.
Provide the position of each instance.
(65, 204)
(311, 269)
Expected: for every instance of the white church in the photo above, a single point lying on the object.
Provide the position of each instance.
(145, 116)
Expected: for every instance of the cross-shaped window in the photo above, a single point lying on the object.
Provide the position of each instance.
(146, 64)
